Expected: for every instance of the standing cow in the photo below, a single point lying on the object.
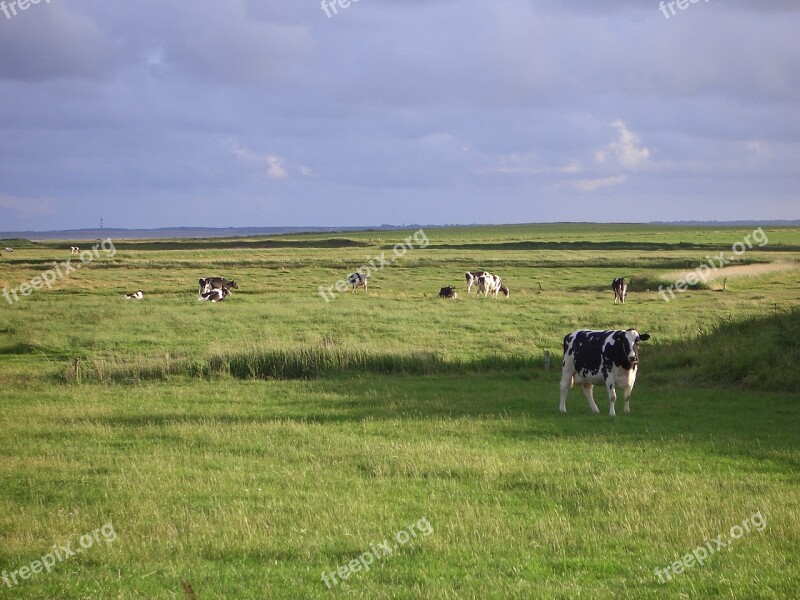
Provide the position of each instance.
(610, 358)
(216, 283)
(472, 278)
(486, 282)
(620, 289)
(358, 280)
(491, 284)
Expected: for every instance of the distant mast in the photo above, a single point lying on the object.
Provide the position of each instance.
(101, 222)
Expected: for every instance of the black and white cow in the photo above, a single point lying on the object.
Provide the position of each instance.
(9, 249)
(472, 278)
(215, 283)
(215, 294)
(620, 289)
(491, 284)
(358, 280)
(137, 295)
(610, 358)
(448, 292)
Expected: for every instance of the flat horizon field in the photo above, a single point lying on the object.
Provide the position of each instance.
(394, 444)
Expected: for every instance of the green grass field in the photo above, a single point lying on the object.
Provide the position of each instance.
(243, 449)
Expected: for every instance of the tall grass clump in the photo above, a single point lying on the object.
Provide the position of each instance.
(291, 363)
(761, 354)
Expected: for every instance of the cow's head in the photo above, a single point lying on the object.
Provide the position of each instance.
(504, 289)
(626, 347)
(233, 285)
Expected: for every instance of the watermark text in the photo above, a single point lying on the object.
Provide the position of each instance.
(59, 270)
(377, 552)
(699, 555)
(59, 554)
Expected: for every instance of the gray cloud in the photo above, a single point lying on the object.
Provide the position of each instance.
(234, 112)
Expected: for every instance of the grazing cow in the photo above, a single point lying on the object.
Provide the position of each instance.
(488, 283)
(620, 289)
(215, 294)
(358, 280)
(74, 250)
(472, 278)
(448, 292)
(137, 295)
(592, 358)
(215, 283)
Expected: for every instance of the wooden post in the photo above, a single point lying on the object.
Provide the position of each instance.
(76, 369)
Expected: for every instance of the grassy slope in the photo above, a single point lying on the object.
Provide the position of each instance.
(252, 488)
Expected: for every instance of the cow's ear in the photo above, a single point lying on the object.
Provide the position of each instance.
(644, 337)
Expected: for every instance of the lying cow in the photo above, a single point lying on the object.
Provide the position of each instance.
(74, 250)
(215, 294)
(358, 280)
(610, 358)
(491, 284)
(137, 295)
(620, 289)
(215, 283)
(9, 249)
(448, 292)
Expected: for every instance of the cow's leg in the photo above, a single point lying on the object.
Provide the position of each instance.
(588, 390)
(628, 392)
(566, 384)
(612, 397)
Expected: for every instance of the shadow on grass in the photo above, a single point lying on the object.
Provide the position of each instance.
(517, 408)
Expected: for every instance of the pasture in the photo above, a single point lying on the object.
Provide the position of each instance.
(244, 448)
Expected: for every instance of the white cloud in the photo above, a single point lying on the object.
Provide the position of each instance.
(272, 163)
(509, 168)
(590, 185)
(305, 171)
(275, 169)
(758, 148)
(626, 151)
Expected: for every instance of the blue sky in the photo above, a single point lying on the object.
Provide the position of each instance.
(244, 113)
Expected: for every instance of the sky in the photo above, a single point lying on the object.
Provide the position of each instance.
(235, 113)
